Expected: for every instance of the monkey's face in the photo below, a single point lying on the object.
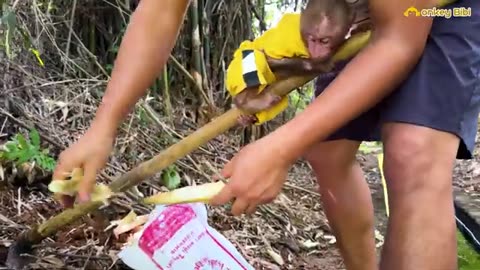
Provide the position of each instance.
(323, 37)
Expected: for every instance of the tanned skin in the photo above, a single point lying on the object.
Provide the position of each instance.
(323, 27)
(421, 207)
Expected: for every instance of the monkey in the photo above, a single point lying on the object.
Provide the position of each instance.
(323, 27)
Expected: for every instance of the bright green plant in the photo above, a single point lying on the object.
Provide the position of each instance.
(21, 150)
(468, 258)
(171, 178)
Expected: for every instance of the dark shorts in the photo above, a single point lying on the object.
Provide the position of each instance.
(442, 92)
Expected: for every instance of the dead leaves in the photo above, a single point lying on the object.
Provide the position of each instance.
(131, 222)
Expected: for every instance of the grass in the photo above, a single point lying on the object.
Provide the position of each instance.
(468, 258)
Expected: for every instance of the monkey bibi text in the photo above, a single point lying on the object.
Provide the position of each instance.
(439, 12)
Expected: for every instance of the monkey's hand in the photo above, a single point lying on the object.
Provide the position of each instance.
(247, 120)
(317, 66)
(250, 102)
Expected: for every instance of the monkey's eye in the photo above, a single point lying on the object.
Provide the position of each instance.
(324, 40)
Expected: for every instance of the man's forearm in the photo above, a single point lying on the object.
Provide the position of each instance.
(354, 91)
(144, 51)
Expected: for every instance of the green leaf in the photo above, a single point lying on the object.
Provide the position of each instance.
(45, 162)
(43, 159)
(11, 147)
(22, 141)
(171, 178)
(23, 158)
(35, 138)
(14, 155)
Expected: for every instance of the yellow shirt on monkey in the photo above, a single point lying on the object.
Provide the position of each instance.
(249, 67)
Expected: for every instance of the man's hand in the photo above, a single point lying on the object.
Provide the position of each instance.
(90, 152)
(255, 177)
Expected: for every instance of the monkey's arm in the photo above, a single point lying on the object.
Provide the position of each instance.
(268, 103)
(287, 67)
(391, 54)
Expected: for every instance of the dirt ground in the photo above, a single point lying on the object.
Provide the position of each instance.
(294, 226)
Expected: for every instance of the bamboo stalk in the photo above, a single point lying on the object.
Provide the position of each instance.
(196, 58)
(166, 95)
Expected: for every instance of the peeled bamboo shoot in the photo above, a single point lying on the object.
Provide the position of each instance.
(201, 193)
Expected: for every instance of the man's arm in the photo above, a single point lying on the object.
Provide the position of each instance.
(393, 51)
(144, 51)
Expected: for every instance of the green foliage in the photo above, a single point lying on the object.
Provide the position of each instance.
(468, 258)
(143, 116)
(9, 26)
(171, 178)
(300, 99)
(115, 47)
(9, 21)
(21, 150)
(369, 147)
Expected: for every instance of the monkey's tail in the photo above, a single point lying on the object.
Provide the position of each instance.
(468, 226)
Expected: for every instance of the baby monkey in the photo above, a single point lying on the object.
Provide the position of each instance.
(324, 25)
